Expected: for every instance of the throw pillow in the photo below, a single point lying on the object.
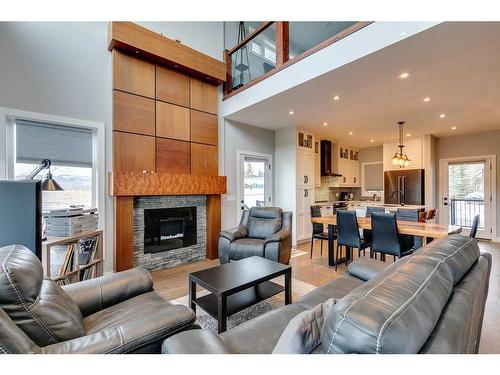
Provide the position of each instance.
(303, 333)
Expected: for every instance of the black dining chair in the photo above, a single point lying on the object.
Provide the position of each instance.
(317, 230)
(348, 235)
(367, 233)
(404, 214)
(386, 238)
(473, 229)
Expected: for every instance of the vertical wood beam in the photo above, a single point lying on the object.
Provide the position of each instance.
(229, 72)
(213, 225)
(124, 236)
(282, 43)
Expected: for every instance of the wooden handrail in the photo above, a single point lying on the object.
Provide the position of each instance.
(252, 35)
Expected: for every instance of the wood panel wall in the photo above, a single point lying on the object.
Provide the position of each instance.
(164, 121)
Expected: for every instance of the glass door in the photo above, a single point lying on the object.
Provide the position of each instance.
(467, 193)
(255, 179)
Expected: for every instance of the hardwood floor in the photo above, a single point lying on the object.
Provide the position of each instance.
(172, 283)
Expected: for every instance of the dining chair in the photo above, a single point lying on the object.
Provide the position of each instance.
(317, 230)
(475, 224)
(348, 234)
(367, 233)
(405, 214)
(386, 237)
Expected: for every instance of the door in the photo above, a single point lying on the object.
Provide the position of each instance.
(254, 181)
(466, 191)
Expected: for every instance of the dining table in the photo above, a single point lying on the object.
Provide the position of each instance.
(427, 231)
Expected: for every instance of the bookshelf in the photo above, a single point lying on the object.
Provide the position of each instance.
(67, 250)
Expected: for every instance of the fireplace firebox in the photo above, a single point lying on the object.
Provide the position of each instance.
(169, 228)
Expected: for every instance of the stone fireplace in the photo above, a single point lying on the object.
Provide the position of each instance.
(168, 230)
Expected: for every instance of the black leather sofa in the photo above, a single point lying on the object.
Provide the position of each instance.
(117, 313)
(429, 302)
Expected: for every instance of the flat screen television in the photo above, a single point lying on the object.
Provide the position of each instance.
(21, 214)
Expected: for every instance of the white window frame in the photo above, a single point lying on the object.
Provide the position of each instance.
(8, 157)
(364, 192)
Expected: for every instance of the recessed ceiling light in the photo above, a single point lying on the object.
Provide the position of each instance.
(442, 115)
(427, 99)
(351, 133)
(372, 140)
(336, 98)
(325, 124)
(291, 112)
(453, 128)
(403, 33)
(404, 75)
(408, 135)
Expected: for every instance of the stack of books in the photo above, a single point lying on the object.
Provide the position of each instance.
(70, 222)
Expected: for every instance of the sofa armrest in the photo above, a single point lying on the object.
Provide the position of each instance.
(196, 341)
(278, 236)
(234, 233)
(96, 294)
(102, 342)
(366, 268)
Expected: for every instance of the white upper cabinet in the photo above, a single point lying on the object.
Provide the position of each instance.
(348, 167)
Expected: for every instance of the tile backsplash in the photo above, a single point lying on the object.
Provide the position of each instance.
(326, 192)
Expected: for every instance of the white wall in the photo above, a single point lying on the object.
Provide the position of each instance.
(64, 68)
(246, 138)
(205, 37)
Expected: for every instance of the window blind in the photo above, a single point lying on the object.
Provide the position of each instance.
(374, 177)
(63, 145)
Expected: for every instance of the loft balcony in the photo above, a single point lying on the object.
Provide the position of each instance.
(261, 49)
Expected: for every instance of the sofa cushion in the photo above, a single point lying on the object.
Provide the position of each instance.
(459, 328)
(396, 311)
(303, 333)
(39, 307)
(259, 335)
(246, 247)
(141, 320)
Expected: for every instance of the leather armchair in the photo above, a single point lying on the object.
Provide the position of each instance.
(116, 313)
(263, 231)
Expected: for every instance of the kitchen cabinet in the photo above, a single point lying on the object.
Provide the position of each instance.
(305, 169)
(349, 166)
(305, 199)
(295, 178)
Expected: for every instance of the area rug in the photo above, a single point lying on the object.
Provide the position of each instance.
(299, 288)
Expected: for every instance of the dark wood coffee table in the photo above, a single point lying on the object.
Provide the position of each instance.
(237, 285)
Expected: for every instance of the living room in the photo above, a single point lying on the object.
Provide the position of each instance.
(205, 185)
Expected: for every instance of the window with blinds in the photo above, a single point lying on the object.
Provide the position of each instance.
(63, 145)
(70, 150)
(373, 177)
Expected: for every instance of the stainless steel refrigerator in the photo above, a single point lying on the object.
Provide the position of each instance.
(404, 186)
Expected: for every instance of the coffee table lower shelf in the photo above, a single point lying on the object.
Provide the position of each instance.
(241, 300)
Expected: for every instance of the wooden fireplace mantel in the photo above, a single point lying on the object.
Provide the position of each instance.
(151, 183)
(124, 186)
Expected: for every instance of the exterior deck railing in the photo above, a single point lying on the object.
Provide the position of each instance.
(463, 211)
(277, 35)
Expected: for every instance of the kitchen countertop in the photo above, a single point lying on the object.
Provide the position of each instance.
(363, 204)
